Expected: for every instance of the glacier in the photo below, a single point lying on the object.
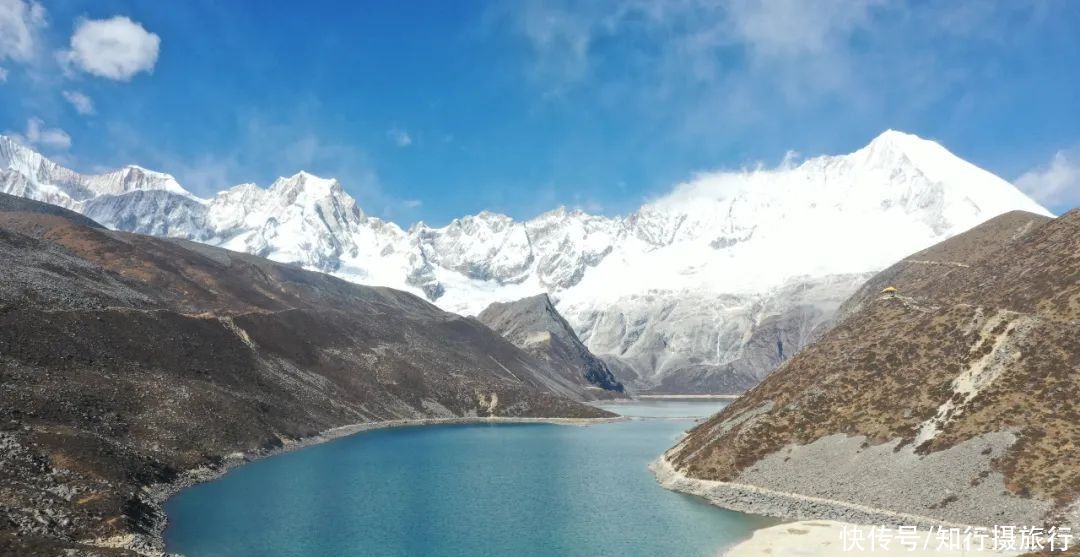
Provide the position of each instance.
(705, 289)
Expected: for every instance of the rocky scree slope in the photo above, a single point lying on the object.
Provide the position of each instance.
(127, 360)
(704, 289)
(954, 398)
(534, 325)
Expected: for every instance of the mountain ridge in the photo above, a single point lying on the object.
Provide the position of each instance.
(655, 290)
(534, 325)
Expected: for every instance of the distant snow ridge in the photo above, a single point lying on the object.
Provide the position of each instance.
(705, 289)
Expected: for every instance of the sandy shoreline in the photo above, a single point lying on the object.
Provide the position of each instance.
(153, 545)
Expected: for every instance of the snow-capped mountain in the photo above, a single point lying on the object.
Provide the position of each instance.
(32, 175)
(704, 289)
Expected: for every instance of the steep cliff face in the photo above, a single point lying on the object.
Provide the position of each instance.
(534, 325)
(693, 292)
(960, 387)
(126, 360)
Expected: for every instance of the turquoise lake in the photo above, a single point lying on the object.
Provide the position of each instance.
(463, 490)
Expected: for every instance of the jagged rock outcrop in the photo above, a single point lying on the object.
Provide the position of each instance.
(129, 360)
(534, 325)
(953, 397)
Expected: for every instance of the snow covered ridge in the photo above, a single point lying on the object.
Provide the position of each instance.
(680, 292)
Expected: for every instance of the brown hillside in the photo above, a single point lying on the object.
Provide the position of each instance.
(126, 360)
(982, 336)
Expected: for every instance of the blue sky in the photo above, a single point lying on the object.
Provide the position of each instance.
(429, 110)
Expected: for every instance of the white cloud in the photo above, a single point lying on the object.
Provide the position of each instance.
(560, 38)
(400, 137)
(3, 74)
(19, 23)
(795, 27)
(800, 45)
(412, 203)
(82, 103)
(708, 71)
(115, 48)
(37, 134)
(1056, 184)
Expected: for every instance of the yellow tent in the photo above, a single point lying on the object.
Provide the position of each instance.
(889, 290)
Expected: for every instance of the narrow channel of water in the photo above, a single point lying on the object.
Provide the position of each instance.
(463, 490)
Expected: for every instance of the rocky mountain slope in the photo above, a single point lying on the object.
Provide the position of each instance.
(705, 289)
(534, 325)
(128, 360)
(953, 398)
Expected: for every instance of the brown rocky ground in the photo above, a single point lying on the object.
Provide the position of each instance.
(127, 360)
(982, 336)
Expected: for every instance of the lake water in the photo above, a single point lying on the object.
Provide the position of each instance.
(463, 490)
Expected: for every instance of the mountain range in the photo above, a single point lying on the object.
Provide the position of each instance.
(705, 289)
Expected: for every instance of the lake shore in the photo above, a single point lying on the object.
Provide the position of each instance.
(153, 544)
(762, 501)
(687, 397)
(818, 529)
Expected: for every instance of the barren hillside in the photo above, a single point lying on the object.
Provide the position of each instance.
(953, 398)
(126, 360)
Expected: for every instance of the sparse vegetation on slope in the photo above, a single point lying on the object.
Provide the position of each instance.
(127, 360)
(982, 336)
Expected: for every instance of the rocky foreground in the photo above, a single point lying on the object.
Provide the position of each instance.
(127, 362)
(947, 393)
